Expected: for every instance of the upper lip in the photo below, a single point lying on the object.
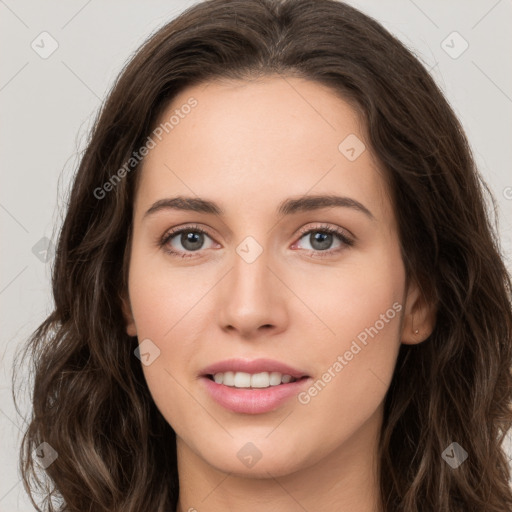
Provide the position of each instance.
(252, 366)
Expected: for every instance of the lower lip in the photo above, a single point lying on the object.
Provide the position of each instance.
(253, 400)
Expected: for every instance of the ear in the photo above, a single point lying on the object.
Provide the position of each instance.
(419, 316)
(131, 328)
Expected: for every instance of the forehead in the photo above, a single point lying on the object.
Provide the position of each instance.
(255, 139)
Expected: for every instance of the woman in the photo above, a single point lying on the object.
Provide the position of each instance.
(277, 286)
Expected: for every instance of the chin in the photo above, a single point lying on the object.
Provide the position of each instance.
(256, 459)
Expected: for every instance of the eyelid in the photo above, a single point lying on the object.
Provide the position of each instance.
(345, 233)
(188, 227)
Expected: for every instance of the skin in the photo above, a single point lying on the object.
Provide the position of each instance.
(248, 146)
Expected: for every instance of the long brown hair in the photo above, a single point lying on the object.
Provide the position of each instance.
(91, 404)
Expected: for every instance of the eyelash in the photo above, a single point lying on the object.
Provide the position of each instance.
(169, 235)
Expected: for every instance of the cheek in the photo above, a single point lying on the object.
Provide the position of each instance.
(162, 297)
(348, 299)
(165, 318)
(169, 310)
(362, 307)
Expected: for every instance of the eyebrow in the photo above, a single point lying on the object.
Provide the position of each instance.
(287, 207)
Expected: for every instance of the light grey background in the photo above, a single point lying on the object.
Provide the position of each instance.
(48, 105)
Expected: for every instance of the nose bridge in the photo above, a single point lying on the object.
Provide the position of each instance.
(250, 276)
(250, 299)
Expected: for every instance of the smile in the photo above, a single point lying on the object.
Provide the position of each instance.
(255, 380)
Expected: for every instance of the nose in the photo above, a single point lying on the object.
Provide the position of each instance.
(252, 299)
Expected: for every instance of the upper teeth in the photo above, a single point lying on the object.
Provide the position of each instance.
(256, 380)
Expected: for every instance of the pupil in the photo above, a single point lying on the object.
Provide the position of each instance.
(191, 240)
(321, 240)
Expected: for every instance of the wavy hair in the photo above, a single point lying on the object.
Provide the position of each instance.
(89, 398)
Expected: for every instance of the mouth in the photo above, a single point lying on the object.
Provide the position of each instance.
(252, 386)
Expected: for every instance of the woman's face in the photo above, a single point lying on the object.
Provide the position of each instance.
(266, 280)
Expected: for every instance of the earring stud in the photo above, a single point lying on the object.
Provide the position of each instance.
(416, 331)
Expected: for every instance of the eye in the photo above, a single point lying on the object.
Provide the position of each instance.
(191, 239)
(321, 239)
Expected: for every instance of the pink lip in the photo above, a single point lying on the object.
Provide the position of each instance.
(254, 366)
(253, 400)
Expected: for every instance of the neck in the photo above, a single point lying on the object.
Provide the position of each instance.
(344, 480)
